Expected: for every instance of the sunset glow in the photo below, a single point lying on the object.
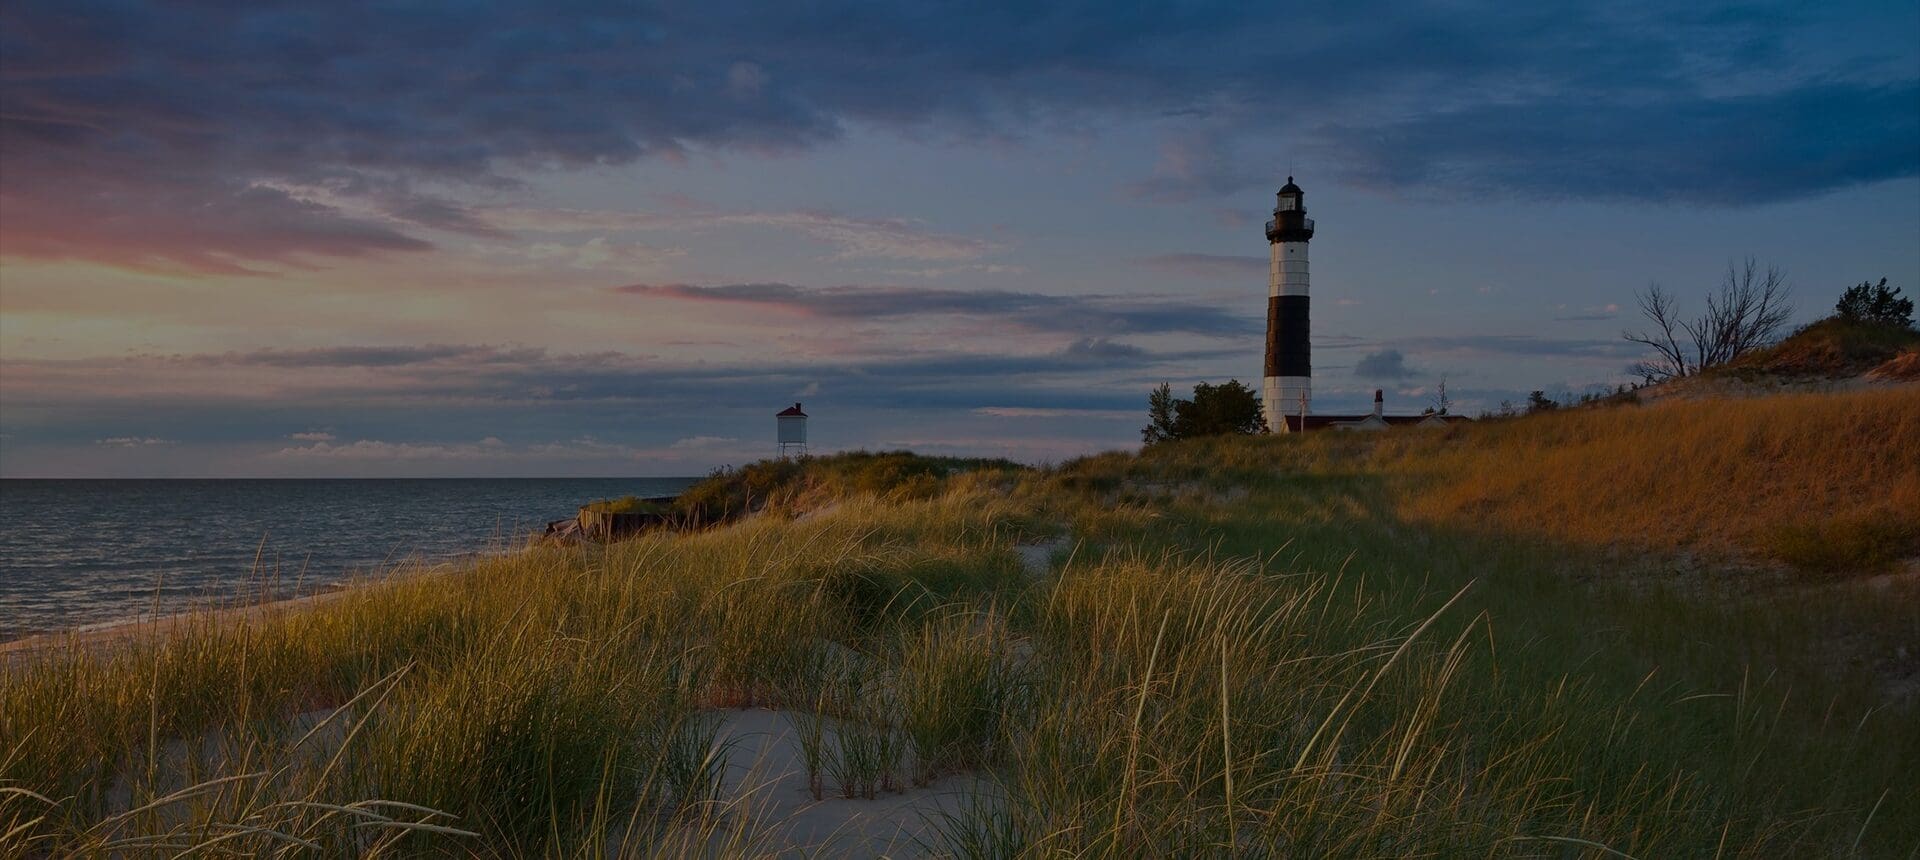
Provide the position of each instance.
(503, 240)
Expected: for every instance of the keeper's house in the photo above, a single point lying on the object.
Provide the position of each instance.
(1378, 419)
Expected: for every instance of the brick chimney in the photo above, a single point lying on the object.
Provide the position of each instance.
(1379, 402)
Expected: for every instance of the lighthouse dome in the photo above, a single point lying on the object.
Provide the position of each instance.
(1290, 199)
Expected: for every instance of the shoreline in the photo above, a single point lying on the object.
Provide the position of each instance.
(106, 633)
(68, 572)
(355, 577)
(103, 634)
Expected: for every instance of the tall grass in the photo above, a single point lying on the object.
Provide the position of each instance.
(529, 698)
(1260, 647)
(1714, 473)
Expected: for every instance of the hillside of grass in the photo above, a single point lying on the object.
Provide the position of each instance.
(794, 485)
(1339, 645)
(1830, 348)
(1753, 476)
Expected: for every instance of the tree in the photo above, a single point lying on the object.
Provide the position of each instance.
(1538, 401)
(1746, 313)
(1160, 416)
(1442, 404)
(1215, 410)
(1218, 410)
(1874, 303)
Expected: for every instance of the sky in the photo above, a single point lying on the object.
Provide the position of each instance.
(480, 238)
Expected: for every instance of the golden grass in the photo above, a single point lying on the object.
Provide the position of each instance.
(1250, 652)
(1714, 474)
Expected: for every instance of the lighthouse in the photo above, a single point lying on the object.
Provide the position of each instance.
(1287, 388)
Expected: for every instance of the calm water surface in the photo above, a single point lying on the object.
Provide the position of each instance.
(74, 553)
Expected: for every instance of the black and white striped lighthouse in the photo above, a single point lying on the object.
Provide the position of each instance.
(1287, 388)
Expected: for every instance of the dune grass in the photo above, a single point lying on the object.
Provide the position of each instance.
(1831, 347)
(627, 505)
(1271, 647)
(1714, 474)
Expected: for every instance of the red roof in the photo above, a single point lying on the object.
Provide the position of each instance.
(791, 412)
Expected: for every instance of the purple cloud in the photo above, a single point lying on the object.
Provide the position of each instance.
(166, 135)
(1026, 311)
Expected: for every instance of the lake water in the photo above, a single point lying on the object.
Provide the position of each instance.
(75, 553)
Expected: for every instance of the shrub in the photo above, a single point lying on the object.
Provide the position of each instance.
(1856, 544)
(625, 505)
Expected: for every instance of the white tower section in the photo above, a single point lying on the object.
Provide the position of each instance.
(1293, 394)
(1286, 389)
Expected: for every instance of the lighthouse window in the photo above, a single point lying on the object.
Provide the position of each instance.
(1288, 203)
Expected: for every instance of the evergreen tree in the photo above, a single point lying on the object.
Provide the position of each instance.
(1160, 416)
(1874, 303)
(1215, 410)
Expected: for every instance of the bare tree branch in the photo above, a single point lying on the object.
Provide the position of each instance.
(1746, 313)
(1670, 361)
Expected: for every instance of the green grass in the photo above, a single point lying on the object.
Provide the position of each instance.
(788, 486)
(1869, 544)
(1250, 651)
(626, 505)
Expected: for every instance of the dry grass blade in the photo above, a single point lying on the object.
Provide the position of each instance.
(1314, 686)
(184, 794)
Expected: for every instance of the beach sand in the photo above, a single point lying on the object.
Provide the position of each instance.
(767, 778)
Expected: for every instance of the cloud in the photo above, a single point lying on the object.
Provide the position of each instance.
(1044, 412)
(437, 213)
(701, 443)
(899, 239)
(857, 238)
(451, 382)
(1102, 348)
(312, 436)
(367, 356)
(961, 269)
(133, 442)
(1682, 148)
(598, 252)
(1596, 313)
(1221, 266)
(1385, 364)
(1503, 345)
(153, 134)
(746, 80)
(1028, 311)
(487, 450)
(373, 449)
(215, 226)
(1197, 163)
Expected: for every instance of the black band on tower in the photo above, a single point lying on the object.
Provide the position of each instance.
(1287, 346)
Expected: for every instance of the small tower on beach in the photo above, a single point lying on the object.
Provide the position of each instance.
(1287, 387)
(792, 430)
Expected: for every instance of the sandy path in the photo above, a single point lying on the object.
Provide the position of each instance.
(765, 766)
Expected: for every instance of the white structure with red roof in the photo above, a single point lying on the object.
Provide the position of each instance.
(792, 424)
